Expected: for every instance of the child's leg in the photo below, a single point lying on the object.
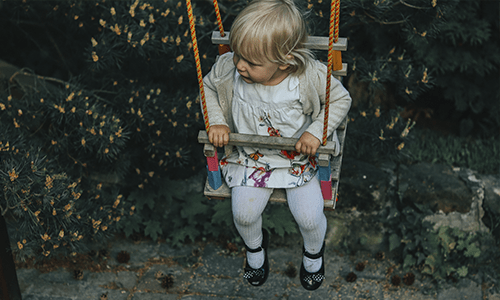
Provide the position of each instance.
(306, 205)
(248, 203)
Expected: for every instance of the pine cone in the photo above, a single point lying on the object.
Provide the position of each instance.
(167, 282)
(360, 267)
(103, 253)
(291, 270)
(232, 247)
(409, 278)
(396, 280)
(78, 274)
(380, 256)
(123, 257)
(351, 277)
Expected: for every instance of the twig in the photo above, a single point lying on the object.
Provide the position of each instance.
(21, 72)
(413, 6)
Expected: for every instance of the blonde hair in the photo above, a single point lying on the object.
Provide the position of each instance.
(272, 29)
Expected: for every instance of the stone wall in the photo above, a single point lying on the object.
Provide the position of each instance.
(458, 198)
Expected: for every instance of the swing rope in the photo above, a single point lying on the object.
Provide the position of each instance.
(219, 19)
(333, 37)
(198, 64)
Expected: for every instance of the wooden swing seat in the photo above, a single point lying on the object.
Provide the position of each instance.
(326, 153)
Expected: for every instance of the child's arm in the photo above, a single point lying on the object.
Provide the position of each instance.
(218, 132)
(340, 102)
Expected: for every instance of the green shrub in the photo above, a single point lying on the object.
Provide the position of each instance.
(180, 215)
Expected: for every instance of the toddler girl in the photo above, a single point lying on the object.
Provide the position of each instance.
(271, 85)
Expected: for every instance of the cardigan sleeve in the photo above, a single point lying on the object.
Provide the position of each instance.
(214, 110)
(340, 102)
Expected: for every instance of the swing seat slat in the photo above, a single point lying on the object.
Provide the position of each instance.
(270, 142)
(313, 42)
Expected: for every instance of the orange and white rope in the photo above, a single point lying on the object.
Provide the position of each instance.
(333, 37)
(219, 19)
(198, 64)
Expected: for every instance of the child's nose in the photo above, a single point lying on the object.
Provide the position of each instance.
(240, 65)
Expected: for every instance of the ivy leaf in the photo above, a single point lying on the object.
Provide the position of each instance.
(153, 229)
(473, 251)
(179, 236)
(430, 264)
(409, 261)
(149, 201)
(223, 214)
(420, 258)
(394, 241)
(462, 271)
(130, 227)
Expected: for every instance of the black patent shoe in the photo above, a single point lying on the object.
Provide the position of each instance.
(312, 281)
(258, 276)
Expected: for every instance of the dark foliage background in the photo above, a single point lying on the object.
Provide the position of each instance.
(104, 106)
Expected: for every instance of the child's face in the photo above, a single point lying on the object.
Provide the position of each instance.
(264, 72)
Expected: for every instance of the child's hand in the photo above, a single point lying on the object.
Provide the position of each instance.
(218, 135)
(308, 144)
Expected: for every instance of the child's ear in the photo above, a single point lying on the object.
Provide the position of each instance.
(286, 66)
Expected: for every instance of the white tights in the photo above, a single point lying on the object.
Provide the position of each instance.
(306, 206)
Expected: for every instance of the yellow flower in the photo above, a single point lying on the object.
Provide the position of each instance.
(61, 233)
(400, 146)
(49, 182)
(19, 245)
(13, 176)
(94, 42)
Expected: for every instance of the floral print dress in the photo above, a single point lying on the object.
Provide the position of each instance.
(269, 111)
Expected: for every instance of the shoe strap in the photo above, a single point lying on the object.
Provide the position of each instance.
(317, 255)
(265, 241)
(254, 250)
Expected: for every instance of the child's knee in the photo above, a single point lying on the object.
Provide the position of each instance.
(244, 218)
